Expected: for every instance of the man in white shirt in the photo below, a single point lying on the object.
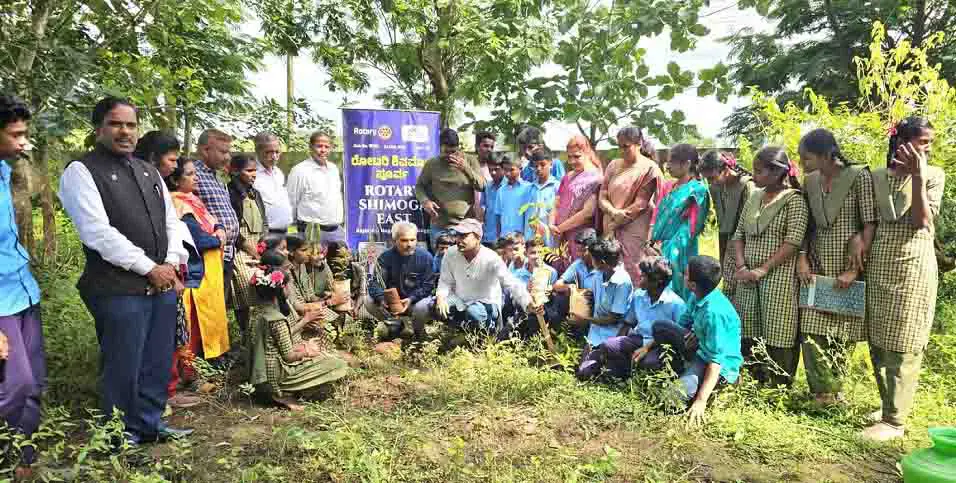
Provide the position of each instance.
(270, 182)
(315, 192)
(126, 221)
(472, 279)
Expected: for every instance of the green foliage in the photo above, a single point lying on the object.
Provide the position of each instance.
(432, 54)
(893, 84)
(605, 80)
(813, 46)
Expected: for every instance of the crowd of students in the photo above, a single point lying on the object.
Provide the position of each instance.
(608, 253)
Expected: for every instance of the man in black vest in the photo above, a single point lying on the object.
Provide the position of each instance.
(126, 221)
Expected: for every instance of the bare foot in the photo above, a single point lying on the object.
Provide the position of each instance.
(23, 473)
(288, 403)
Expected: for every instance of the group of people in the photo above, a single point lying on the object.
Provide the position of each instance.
(629, 239)
(516, 243)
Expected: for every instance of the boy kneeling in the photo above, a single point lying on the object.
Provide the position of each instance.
(712, 346)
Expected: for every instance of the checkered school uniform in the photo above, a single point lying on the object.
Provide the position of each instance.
(901, 275)
(768, 308)
(827, 251)
(729, 204)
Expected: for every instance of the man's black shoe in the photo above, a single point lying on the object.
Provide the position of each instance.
(166, 433)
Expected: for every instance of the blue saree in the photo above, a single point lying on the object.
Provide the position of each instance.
(681, 217)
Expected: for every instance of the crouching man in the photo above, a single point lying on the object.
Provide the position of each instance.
(407, 269)
(472, 280)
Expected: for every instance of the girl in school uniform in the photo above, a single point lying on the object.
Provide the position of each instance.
(768, 238)
(730, 187)
(901, 274)
(842, 210)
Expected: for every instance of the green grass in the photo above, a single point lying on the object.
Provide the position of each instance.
(490, 414)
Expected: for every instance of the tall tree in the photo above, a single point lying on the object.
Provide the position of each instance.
(53, 48)
(814, 43)
(188, 65)
(433, 54)
(605, 79)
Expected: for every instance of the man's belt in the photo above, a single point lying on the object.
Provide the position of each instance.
(329, 227)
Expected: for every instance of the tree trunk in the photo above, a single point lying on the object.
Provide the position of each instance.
(289, 98)
(42, 162)
(187, 132)
(21, 182)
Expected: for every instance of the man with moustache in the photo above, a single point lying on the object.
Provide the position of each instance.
(472, 281)
(126, 221)
(211, 181)
(315, 192)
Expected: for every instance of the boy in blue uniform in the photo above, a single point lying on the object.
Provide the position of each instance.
(651, 303)
(542, 193)
(531, 140)
(489, 202)
(611, 291)
(512, 195)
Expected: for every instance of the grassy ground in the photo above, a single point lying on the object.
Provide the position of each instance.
(495, 413)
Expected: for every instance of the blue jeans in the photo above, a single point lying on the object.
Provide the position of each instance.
(137, 336)
(477, 316)
(691, 378)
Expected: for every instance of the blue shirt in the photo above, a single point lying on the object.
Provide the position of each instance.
(523, 274)
(511, 197)
(557, 171)
(489, 202)
(411, 275)
(543, 195)
(611, 296)
(717, 327)
(642, 313)
(18, 289)
(578, 273)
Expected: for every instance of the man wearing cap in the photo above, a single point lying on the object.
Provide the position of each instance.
(447, 184)
(473, 278)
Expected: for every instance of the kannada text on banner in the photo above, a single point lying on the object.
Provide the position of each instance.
(384, 153)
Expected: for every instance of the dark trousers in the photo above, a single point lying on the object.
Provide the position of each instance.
(615, 354)
(24, 374)
(137, 338)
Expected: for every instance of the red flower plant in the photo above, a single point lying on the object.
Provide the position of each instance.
(277, 277)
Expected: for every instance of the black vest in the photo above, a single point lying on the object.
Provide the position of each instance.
(132, 194)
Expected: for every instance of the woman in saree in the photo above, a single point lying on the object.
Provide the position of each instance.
(627, 199)
(204, 298)
(682, 214)
(283, 363)
(902, 277)
(577, 195)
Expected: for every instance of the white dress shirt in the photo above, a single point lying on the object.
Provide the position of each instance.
(271, 185)
(315, 192)
(82, 201)
(481, 280)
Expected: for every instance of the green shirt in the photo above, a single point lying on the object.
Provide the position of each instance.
(717, 327)
(452, 188)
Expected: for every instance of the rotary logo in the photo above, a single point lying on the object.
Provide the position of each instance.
(385, 133)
